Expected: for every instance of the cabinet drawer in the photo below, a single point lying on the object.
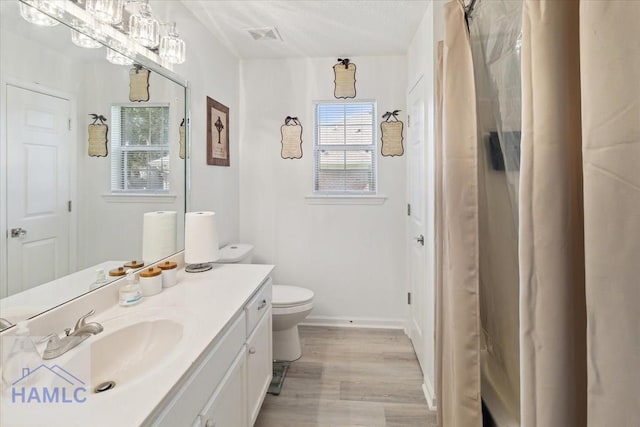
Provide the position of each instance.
(258, 306)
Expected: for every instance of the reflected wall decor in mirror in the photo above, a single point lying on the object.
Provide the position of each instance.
(68, 214)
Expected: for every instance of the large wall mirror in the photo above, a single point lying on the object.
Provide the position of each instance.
(68, 214)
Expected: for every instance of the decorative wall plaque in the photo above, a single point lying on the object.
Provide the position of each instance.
(98, 136)
(391, 131)
(217, 133)
(291, 141)
(344, 79)
(139, 84)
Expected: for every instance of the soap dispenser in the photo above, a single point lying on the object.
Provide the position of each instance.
(101, 279)
(22, 359)
(129, 294)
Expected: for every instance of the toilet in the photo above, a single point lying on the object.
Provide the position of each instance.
(291, 305)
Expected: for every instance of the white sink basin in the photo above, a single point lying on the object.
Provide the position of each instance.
(130, 347)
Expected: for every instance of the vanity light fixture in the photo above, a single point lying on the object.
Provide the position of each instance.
(106, 11)
(172, 47)
(35, 16)
(84, 40)
(143, 27)
(132, 21)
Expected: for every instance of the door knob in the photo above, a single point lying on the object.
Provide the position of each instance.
(18, 232)
(420, 239)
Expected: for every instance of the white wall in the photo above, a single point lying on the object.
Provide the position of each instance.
(211, 71)
(351, 256)
(421, 64)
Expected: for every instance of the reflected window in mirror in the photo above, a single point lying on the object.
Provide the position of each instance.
(140, 149)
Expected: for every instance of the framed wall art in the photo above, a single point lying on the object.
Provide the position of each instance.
(291, 141)
(344, 79)
(217, 133)
(139, 84)
(98, 136)
(391, 134)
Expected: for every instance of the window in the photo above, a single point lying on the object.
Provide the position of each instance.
(344, 148)
(140, 149)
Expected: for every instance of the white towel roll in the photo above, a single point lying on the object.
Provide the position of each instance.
(200, 238)
(158, 235)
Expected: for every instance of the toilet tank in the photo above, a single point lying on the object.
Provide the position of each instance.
(236, 253)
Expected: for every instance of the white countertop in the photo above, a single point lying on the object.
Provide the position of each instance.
(30, 302)
(210, 300)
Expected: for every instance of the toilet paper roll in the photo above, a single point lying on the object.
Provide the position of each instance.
(200, 238)
(158, 235)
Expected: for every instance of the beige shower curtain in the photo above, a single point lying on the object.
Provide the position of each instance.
(579, 219)
(458, 317)
(610, 75)
(580, 214)
(552, 303)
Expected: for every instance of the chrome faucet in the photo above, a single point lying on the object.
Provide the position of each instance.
(57, 346)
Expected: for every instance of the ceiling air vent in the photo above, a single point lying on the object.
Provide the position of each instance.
(265, 33)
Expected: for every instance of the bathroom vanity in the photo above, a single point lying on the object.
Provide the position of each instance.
(228, 383)
(197, 354)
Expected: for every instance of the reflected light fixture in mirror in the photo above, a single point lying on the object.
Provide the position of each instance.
(34, 16)
(83, 40)
(117, 58)
(107, 11)
(143, 27)
(172, 47)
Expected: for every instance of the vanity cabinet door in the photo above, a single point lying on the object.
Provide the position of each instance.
(193, 395)
(227, 406)
(259, 365)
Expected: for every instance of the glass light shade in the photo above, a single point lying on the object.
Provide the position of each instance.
(34, 16)
(83, 40)
(172, 47)
(144, 29)
(118, 58)
(107, 11)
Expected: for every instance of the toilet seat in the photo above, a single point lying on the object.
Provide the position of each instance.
(290, 296)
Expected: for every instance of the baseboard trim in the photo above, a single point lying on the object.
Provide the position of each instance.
(354, 322)
(429, 394)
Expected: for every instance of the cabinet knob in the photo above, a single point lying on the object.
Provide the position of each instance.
(252, 350)
(263, 304)
(210, 423)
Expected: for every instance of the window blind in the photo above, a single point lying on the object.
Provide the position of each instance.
(140, 149)
(345, 148)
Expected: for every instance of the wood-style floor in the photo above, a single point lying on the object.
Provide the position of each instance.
(350, 377)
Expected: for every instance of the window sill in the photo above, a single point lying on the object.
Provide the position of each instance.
(345, 200)
(139, 198)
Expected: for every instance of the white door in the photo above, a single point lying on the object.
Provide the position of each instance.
(417, 259)
(38, 138)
